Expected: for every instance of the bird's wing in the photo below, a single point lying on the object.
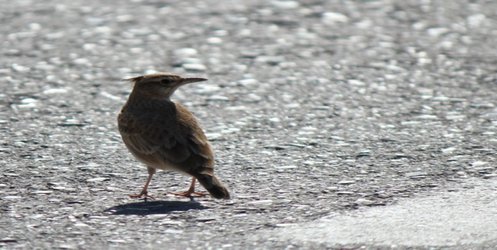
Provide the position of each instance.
(197, 142)
(156, 135)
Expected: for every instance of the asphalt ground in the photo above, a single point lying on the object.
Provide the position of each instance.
(314, 108)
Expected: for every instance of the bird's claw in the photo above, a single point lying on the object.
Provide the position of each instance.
(189, 194)
(143, 194)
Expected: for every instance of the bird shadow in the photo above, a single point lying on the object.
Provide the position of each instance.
(154, 207)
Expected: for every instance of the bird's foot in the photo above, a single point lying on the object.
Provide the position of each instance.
(190, 194)
(142, 194)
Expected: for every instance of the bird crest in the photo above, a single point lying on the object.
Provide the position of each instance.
(161, 75)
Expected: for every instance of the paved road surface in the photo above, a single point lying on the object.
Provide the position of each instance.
(322, 114)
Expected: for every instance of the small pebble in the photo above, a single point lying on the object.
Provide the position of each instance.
(194, 67)
(332, 18)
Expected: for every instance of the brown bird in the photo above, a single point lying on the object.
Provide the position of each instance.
(165, 135)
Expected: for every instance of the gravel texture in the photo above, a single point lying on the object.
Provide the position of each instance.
(312, 107)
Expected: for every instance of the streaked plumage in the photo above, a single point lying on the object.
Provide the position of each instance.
(165, 135)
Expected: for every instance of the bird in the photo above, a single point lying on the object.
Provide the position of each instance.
(164, 135)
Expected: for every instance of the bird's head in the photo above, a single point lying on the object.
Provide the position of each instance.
(161, 84)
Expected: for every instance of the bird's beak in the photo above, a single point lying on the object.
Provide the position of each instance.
(193, 79)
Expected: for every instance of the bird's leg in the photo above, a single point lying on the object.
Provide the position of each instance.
(144, 192)
(191, 191)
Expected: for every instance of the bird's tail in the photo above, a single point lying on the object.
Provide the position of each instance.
(213, 185)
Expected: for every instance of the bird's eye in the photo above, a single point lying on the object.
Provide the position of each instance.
(165, 81)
